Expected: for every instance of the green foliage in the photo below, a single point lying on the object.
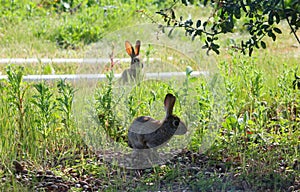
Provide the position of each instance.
(16, 92)
(46, 105)
(81, 30)
(261, 19)
(90, 25)
(70, 24)
(32, 115)
(106, 104)
(62, 5)
(117, 107)
(65, 102)
(13, 12)
(253, 125)
(252, 119)
(8, 10)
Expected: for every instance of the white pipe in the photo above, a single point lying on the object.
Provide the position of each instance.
(162, 75)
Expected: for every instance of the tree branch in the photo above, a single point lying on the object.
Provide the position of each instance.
(287, 19)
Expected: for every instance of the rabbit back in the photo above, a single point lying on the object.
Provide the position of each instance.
(144, 125)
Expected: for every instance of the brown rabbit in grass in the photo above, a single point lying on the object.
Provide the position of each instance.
(146, 132)
(135, 70)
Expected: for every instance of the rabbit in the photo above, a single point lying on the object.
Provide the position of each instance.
(146, 132)
(135, 70)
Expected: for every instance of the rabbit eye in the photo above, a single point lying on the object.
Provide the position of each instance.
(176, 123)
(136, 60)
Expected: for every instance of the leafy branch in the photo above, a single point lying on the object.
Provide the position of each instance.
(260, 20)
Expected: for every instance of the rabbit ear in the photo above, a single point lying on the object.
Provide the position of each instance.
(169, 104)
(129, 49)
(137, 47)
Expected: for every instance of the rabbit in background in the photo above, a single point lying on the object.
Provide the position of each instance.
(135, 70)
(146, 132)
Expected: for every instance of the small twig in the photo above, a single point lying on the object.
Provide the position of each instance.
(146, 15)
(111, 57)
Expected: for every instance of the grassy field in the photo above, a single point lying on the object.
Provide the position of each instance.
(243, 116)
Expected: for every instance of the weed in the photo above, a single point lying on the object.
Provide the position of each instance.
(16, 93)
(46, 106)
(106, 104)
(65, 102)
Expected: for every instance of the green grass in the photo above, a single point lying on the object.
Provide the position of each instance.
(243, 121)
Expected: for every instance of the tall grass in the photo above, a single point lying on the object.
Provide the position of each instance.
(238, 116)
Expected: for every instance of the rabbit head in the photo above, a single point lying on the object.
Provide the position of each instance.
(171, 119)
(134, 53)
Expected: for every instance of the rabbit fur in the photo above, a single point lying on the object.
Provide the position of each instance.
(146, 132)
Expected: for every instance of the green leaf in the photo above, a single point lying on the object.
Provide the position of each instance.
(243, 6)
(216, 51)
(259, 33)
(294, 18)
(272, 35)
(215, 48)
(277, 30)
(198, 24)
(271, 19)
(265, 26)
(250, 51)
(193, 79)
(263, 44)
(198, 32)
(277, 17)
(204, 24)
(237, 13)
(184, 2)
(194, 36)
(171, 31)
(173, 16)
(204, 46)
